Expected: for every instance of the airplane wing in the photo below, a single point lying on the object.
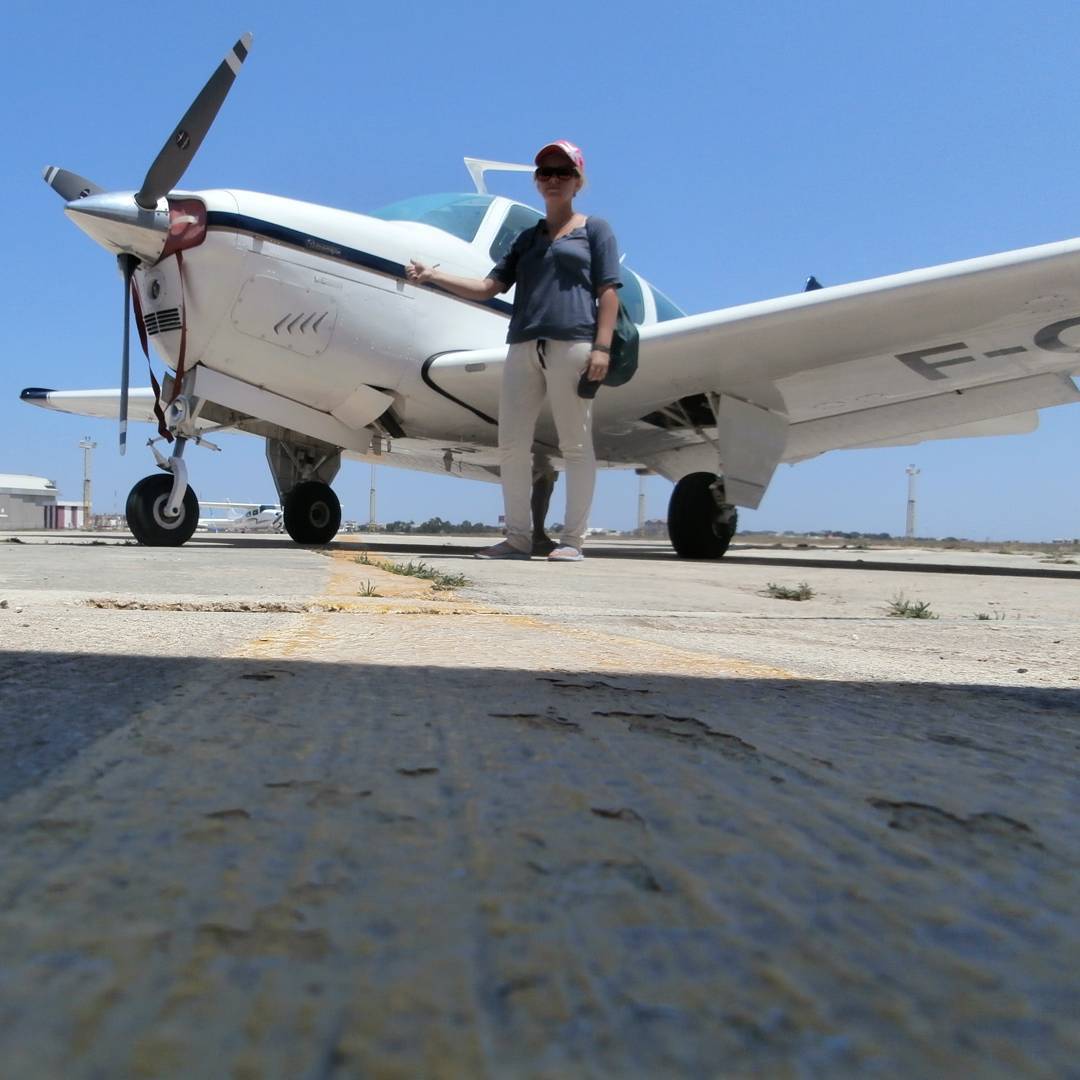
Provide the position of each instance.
(957, 350)
(104, 404)
(934, 353)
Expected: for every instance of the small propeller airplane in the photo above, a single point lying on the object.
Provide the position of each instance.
(255, 517)
(296, 323)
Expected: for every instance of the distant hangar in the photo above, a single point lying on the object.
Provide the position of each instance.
(30, 502)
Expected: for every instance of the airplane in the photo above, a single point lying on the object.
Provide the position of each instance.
(296, 323)
(257, 517)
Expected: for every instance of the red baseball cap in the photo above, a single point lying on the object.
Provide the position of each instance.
(564, 146)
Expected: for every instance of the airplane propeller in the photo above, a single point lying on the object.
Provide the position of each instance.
(68, 185)
(127, 265)
(175, 156)
(143, 214)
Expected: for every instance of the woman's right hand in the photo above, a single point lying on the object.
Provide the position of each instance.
(418, 273)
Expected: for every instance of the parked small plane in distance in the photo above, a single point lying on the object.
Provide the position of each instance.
(255, 517)
(296, 323)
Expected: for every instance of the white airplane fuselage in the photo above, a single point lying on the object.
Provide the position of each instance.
(312, 304)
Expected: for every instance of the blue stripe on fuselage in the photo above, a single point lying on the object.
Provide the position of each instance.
(281, 234)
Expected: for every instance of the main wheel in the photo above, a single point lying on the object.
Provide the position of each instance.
(698, 528)
(146, 518)
(312, 513)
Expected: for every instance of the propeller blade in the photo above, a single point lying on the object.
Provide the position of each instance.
(176, 154)
(127, 268)
(68, 185)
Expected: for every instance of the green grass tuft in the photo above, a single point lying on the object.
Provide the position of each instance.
(802, 591)
(900, 607)
(440, 582)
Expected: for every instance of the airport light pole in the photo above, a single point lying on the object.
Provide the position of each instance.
(87, 449)
(371, 502)
(641, 502)
(912, 472)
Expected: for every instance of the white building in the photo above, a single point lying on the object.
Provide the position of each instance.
(30, 502)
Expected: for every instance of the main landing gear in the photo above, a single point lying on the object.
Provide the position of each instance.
(700, 523)
(312, 513)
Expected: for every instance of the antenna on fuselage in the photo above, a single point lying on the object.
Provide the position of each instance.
(478, 166)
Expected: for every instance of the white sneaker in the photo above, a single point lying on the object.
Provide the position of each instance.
(566, 553)
(501, 550)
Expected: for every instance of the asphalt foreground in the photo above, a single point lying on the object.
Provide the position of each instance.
(274, 812)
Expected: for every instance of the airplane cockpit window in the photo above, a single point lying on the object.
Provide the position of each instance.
(518, 218)
(665, 309)
(459, 215)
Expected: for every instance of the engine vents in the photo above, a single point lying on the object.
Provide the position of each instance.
(161, 322)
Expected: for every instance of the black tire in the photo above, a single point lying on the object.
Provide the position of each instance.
(145, 511)
(695, 525)
(312, 513)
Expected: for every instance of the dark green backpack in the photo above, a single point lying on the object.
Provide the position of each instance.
(624, 342)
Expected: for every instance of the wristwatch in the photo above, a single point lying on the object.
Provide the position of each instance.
(601, 348)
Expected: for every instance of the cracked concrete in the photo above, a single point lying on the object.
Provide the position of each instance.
(629, 821)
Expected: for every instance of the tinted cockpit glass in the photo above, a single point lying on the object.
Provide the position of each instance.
(518, 218)
(459, 215)
(631, 296)
(665, 309)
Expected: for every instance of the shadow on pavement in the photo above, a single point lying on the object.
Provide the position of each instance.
(614, 874)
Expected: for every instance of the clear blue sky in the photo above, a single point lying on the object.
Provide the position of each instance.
(736, 148)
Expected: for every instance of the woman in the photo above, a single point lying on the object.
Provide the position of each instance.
(565, 305)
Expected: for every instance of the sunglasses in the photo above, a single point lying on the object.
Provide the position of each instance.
(562, 172)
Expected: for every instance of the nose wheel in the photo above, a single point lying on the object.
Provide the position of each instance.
(146, 515)
(312, 513)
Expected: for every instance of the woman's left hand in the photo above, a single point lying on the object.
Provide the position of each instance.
(599, 362)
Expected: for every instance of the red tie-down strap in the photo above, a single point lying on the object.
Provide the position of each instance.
(183, 330)
(179, 379)
(136, 303)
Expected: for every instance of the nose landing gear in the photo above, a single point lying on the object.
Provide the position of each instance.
(147, 517)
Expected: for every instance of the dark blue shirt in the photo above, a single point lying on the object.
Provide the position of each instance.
(557, 283)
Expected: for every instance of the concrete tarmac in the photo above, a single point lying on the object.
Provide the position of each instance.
(276, 812)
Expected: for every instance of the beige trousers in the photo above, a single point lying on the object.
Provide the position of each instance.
(535, 370)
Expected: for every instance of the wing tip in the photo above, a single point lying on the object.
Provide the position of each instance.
(35, 393)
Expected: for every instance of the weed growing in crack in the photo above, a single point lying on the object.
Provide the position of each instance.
(369, 588)
(440, 581)
(802, 591)
(900, 607)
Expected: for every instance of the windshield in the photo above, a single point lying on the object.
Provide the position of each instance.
(459, 215)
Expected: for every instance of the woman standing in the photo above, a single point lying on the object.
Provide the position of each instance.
(566, 271)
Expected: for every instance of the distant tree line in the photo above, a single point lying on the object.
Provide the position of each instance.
(438, 526)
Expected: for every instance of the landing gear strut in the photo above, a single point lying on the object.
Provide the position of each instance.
(312, 513)
(147, 517)
(700, 523)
